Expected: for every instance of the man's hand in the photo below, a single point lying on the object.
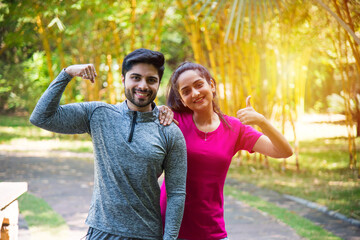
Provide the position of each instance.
(248, 115)
(85, 71)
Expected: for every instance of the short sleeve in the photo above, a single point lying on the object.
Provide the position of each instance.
(247, 135)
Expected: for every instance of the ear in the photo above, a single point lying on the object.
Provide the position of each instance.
(122, 78)
(212, 85)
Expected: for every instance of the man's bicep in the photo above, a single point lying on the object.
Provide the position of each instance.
(67, 119)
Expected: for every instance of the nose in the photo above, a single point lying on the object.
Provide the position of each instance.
(195, 93)
(143, 84)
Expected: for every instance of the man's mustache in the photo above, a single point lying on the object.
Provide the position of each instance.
(142, 91)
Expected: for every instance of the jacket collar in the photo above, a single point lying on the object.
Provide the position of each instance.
(141, 116)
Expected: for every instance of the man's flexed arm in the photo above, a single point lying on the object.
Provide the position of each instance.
(71, 118)
(86, 71)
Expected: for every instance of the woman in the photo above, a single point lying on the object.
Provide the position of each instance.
(212, 139)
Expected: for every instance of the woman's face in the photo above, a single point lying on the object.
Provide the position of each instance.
(196, 93)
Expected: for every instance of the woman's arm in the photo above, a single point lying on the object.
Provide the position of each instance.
(272, 143)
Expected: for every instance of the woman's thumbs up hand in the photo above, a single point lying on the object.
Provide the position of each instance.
(248, 115)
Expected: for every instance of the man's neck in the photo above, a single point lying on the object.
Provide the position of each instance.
(147, 108)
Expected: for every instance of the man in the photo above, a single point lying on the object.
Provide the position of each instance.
(131, 150)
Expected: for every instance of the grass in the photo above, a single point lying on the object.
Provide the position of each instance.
(14, 121)
(18, 131)
(324, 175)
(302, 226)
(38, 213)
(42, 220)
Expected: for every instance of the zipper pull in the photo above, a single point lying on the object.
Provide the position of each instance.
(132, 127)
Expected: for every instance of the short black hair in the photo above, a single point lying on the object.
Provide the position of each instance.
(143, 55)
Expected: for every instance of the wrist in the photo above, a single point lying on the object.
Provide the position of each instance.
(262, 122)
(68, 72)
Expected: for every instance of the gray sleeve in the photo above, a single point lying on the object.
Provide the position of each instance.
(49, 115)
(175, 178)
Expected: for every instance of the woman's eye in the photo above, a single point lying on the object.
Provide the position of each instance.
(186, 92)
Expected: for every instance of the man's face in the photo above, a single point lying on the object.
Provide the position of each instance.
(141, 84)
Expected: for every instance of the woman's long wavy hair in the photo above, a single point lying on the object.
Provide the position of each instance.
(173, 95)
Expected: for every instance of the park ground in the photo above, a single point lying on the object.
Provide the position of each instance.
(70, 184)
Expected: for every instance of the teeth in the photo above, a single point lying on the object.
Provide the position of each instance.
(141, 94)
(198, 100)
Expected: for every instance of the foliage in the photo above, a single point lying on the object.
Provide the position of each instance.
(289, 55)
(22, 84)
(335, 103)
(69, 32)
(288, 64)
(273, 39)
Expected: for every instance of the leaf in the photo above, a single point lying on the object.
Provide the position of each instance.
(58, 22)
(231, 19)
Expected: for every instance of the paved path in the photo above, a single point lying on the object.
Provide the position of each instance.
(65, 182)
(338, 227)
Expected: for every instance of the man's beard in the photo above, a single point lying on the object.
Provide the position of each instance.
(130, 95)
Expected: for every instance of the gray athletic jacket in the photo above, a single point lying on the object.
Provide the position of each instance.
(131, 151)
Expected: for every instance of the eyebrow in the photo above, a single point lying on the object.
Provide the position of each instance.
(153, 77)
(135, 74)
(196, 81)
(139, 75)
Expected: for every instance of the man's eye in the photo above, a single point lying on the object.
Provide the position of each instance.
(136, 77)
(152, 80)
(199, 85)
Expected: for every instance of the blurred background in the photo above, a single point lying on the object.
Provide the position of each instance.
(293, 57)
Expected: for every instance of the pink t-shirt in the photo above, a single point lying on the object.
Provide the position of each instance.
(208, 157)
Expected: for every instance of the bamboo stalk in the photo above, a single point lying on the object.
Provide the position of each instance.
(46, 45)
(98, 82)
(110, 80)
(222, 73)
(346, 100)
(133, 26)
(232, 78)
(296, 142)
(68, 89)
(118, 53)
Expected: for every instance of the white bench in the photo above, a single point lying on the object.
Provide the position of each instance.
(9, 208)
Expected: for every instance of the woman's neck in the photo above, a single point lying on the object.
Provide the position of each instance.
(206, 121)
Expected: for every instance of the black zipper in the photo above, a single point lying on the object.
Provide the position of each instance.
(133, 122)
